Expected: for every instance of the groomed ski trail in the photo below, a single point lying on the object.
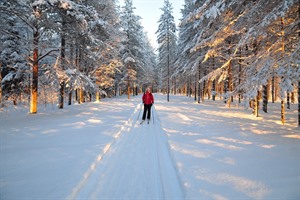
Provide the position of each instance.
(136, 165)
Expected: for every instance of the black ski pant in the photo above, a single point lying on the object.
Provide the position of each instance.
(147, 110)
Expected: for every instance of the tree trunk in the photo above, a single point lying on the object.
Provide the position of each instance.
(273, 89)
(0, 85)
(190, 86)
(70, 98)
(62, 63)
(61, 94)
(293, 95)
(199, 84)
(175, 86)
(35, 68)
(299, 81)
(168, 75)
(195, 88)
(79, 96)
(299, 102)
(82, 96)
(265, 98)
(288, 100)
(240, 72)
(203, 87)
(282, 112)
(97, 95)
(282, 101)
(128, 88)
(214, 90)
(225, 90)
(214, 81)
(230, 83)
(133, 89)
(256, 105)
(230, 78)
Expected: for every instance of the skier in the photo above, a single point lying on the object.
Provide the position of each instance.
(148, 100)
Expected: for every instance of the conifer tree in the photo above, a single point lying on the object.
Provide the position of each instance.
(166, 38)
(134, 48)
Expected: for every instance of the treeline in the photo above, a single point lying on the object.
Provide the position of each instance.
(246, 49)
(53, 50)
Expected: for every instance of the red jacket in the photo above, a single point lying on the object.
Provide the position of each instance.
(148, 98)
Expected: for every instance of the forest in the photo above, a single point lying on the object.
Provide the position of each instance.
(64, 51)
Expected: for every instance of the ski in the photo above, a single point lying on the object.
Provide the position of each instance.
(148, 121)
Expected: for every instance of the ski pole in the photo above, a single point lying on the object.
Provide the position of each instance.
(139, 112)
(152, 113)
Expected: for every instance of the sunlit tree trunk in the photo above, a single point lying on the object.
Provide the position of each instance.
(175, 86)
(82, 96)
(78, 95)
(299, 102)
(35, 68)
(282, 100)
(299, 81)
(230, 78)
(256, 105)
(97, 96)
(293, 95)
(288, 102)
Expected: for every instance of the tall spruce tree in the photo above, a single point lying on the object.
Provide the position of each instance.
(13, 65)
(134, 48)
(166, 39)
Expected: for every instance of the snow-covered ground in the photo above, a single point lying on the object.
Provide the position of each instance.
(188, 151)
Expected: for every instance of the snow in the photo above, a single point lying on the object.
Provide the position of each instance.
(212, 12)
(188, 151)
(129, 59)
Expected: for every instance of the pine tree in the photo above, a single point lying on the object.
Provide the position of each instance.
(134, 48)
(186, 34)
(166, 38)
(14, 68)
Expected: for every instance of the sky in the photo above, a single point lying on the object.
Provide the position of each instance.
(150, 12)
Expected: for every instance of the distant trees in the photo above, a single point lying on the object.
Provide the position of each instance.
(241, 48)
(56, 50)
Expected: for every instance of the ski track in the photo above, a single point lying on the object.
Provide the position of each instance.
(117, 172)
